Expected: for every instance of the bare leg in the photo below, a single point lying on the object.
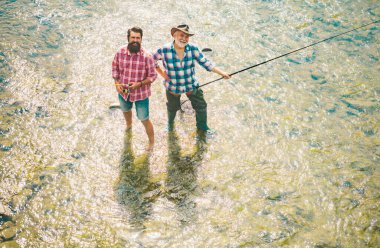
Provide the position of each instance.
(128, 118)
(150, 132)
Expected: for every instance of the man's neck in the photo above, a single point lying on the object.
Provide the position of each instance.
(178, 48)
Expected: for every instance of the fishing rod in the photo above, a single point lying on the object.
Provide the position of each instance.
(299, 49)
(283, 55)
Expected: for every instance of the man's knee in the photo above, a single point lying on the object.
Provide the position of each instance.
(146, 121)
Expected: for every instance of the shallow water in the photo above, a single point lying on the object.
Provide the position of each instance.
(294, 161)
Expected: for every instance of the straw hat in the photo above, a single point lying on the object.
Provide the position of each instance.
(183, 27)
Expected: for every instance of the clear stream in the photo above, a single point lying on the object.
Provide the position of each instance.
(294, 161)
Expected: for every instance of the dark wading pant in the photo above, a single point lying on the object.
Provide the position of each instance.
(197, 102)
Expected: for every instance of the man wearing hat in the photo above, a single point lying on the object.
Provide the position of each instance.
(178, 59)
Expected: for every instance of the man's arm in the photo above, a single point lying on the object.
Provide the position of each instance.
(119, 87)
(224, 74)
(116, 74)
(150, 70)
(158, 55)
(201, 59)
(207, 64)
(162, 73)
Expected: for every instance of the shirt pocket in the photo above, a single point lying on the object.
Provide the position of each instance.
(124, 62)
(140, 65)
(189, 63)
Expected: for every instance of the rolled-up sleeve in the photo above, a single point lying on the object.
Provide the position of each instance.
(157, 56)
(115, 67)
(150, 69)
(202, 60)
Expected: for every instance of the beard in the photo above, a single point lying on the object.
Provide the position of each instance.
(179, 43)
(134, 47)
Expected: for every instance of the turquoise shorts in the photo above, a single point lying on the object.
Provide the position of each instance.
(142, 107)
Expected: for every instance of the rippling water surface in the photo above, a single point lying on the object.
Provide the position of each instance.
(294, 162)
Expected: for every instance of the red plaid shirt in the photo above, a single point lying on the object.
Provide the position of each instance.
(127, 67)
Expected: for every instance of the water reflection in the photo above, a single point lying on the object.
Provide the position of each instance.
(181, 181)
(135, 189)
(307, 124)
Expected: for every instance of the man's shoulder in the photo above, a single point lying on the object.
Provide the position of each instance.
(167, 46)
(123, 49)
(146, 53)
(192, 46)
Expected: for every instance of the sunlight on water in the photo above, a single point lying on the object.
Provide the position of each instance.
(294, 161)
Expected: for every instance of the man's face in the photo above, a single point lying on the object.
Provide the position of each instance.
(181, 38)
(134, 37)
(134, 42)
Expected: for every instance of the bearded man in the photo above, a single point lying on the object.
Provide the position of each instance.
(133, 70)
(178, 59)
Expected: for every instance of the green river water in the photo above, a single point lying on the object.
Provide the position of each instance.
(294, 161)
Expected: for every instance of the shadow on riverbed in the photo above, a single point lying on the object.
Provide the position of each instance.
(181, 182)
(135, 189)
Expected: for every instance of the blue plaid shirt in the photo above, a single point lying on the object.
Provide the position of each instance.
(181, 73)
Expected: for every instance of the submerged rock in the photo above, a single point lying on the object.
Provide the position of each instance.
(278, 197)
(4, 210)
(6, 225)
(10, 244)
(4, 131)
(20, 200)
(5, 148)
(78, 155)
(67, 88)
(347, 184)
(206, 50)
(360, 105)
(314, 77)
(8, 233)
(115, 105)
(41, 112)
(67, 167)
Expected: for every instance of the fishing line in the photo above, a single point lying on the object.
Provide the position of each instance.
(299, 49)
(285, 54)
